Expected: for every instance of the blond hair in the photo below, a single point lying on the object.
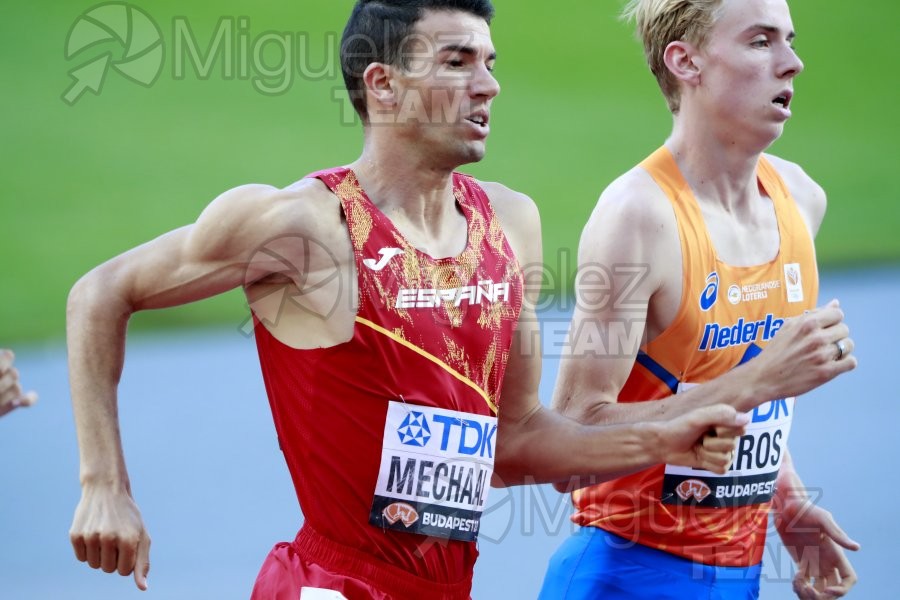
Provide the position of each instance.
(661, 22)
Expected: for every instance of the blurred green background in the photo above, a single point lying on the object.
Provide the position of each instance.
(84, 182)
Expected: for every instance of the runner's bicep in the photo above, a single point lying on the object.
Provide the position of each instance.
(612, 294)
(197, 261)
(519, 393)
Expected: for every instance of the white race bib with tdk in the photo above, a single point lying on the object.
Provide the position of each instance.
(435, 471)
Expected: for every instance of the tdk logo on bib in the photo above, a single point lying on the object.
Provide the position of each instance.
(466, 437)
(711, 292)
(414, 430)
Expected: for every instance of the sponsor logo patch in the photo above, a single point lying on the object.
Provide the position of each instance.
(386, 255)
(759, 291)
(693, 488)
(414, 430)
(710, 293)
(400, 512)
(794, 282)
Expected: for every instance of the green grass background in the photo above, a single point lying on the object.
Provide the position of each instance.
(81, 184)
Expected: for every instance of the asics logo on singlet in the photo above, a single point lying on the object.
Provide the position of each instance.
(386, 255)
(717, 336)
(710, 293)
(693, 488)
(474, 295)
(414, 430)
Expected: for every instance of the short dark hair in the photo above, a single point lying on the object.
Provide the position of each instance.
(377, 30)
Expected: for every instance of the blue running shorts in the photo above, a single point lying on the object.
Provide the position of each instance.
(594, 564)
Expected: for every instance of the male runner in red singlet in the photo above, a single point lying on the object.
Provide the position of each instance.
(728, 235)
(11, 395)
(387, 381)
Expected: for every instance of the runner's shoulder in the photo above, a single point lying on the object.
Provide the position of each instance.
(304, 205)
(806, 192)
(633, 203)
(516, 210)
(251, 215)
(797, 180)
(506, 199)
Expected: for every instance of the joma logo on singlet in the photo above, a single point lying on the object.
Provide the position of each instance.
(485, 291)
(717, 336)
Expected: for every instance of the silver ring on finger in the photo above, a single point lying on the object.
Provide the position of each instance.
(841, 349)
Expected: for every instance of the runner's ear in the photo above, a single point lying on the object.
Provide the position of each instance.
(379, 84)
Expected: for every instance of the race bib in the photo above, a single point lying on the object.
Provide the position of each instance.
(757, 459)
(435, 471)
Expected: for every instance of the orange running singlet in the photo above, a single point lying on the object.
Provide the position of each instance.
(727, 315)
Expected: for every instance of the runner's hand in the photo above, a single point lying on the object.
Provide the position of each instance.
(11, 396)
(704, 438)
(804, 353)
(817, 544)
(108, 533)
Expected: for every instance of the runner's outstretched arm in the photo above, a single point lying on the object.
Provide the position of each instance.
(194, 262)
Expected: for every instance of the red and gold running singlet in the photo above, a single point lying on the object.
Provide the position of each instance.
(390, 437)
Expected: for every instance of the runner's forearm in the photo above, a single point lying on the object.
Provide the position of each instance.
(524, 455)
(738, 388)
(97, 319)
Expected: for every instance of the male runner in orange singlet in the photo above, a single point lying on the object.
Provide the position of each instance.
(727, 233)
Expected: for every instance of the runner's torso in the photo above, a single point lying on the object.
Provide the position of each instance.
(394, 431)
